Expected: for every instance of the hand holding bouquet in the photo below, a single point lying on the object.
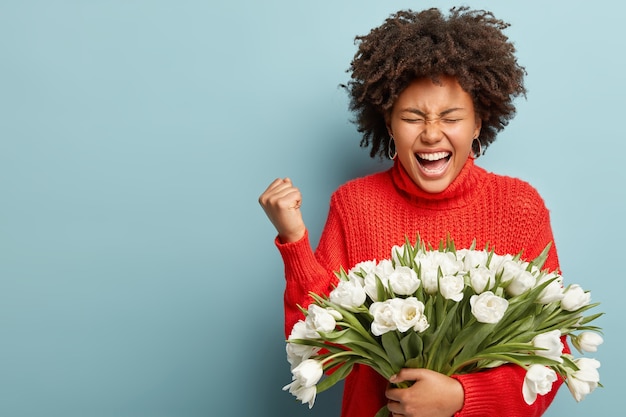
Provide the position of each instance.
(451, 311)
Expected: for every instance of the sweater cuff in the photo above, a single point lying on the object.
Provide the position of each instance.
(477, 399)
(292, 250)
(298, 256)
(281, 245)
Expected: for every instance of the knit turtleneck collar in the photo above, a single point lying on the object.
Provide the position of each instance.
(458, 193)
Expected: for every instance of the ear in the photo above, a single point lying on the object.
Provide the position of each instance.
(479, 125)
(388, 123)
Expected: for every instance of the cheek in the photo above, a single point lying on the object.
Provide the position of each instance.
(404, 136)
(462, 140)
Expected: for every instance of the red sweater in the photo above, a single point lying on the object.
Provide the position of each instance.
(369, 215)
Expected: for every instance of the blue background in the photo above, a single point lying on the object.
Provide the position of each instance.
(138, 275)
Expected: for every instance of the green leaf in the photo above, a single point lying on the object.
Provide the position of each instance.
(541, 259)
(381, 291)
(333, 335)
(439, 333)
(337, 375)
(391, 344)
(440, 307)
(342, 275)
(316, 343)
(450, 244)
(353, 341)
(383, 412)
(591, 318)
(412, 345)
(509, 347)
(415, 362)
(568, 362)
(472, 338)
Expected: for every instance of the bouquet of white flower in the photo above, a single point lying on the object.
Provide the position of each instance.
(451, 311)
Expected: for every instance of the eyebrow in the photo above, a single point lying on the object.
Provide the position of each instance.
(421, 113)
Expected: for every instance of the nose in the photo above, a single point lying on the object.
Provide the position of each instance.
(432, 132)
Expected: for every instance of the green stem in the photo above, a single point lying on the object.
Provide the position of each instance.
(346, 353)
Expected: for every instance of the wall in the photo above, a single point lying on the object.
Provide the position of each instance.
(138, 276)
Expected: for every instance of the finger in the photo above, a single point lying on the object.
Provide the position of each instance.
(395, 408)
(285, 199)
(394, 395)
(281, 183)
(277, 184)
(277, 191)
(406, 374)
(273, 184)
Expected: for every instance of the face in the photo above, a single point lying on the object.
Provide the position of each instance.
(433, 126)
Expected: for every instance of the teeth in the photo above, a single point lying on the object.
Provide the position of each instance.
(433, 156)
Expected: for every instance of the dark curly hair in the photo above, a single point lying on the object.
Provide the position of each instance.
(467, 44)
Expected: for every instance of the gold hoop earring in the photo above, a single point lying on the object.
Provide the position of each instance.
(391, 149)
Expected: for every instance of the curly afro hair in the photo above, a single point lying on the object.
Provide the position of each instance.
(467, 44)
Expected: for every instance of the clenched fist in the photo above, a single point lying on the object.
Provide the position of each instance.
(281, 202)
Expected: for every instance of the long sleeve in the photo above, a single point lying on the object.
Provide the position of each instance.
(498, 392)
(308, 271)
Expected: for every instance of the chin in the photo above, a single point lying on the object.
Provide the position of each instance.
(433, 187)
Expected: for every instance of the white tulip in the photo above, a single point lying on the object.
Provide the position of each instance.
(321, 319)
(553, 291)
(304, 394)
(574, 298)
(431, 262)
(585, 380)
(488, 307)
(451, 287)
(309, 372)
(383, 315)
(381, 270)
(520, 283)
(538, 381)
(588, 341)
(482, 279)
(551, 342)
(509, 269)
(348, 294)
(403, 280)
(408, 314)
(473, 259)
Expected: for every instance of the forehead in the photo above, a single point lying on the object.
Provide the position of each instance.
(427, 95)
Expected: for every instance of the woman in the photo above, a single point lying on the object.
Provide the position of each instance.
(431, 92)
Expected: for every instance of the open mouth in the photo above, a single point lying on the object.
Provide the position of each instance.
(433, 163)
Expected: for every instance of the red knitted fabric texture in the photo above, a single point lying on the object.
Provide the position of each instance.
(369, 215)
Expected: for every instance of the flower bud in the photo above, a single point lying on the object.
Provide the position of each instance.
(588, 341)
(574, 298)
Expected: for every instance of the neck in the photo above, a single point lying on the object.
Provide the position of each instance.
(463, 186)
